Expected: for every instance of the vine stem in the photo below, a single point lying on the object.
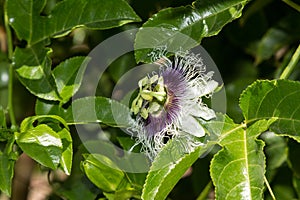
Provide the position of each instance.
(269, 188)
(292, 4)
(11, 70)
(292, 64)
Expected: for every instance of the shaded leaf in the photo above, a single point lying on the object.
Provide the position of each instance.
(25, 17)
(184, 27)
(238, 169)
(285, 32)
(102, 172)
(275, 151)
(44, 107)
(296, 184)
(274, 99)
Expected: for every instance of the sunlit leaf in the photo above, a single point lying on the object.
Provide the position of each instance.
(238, 169)
(169, 166)
(29, 23)
(102, 172)
(67, 151)
(274, 99)
(182, 28)
(42, 144)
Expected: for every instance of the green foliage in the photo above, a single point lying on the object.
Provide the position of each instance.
(202, 19)
(252, 148)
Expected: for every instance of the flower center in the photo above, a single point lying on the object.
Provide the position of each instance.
(151, 97)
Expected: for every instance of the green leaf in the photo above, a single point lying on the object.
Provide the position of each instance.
(102, 172)
(6, 173)
(274, 99)
(44, 107)
(68, 76)
(99, 109)
(25, 17)
(42, 144)
(238, 169)
(34, 71)
(169, 166)
(275, 151)
(182, 28)
(33, 67)
(67, 151)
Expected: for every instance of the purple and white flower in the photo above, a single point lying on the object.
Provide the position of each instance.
(169, 103)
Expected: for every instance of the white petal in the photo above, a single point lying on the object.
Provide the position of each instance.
(198, 110)
(210, 87)
(202, 90)
(190, 125)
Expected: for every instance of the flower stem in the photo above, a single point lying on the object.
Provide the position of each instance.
(269, 188)
(203, 195)
(292, 64)
(11, 71)
(292, 4)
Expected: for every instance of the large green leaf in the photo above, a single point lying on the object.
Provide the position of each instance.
(6, 173)
(102, 172)
(238, 169)
(42, 144)
(49, 146)
(99, 109)
(168, 27)
(26, 17)
(277, 99)
(170, 165)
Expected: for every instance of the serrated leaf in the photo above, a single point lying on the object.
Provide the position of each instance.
(25, 17)
(6, 173)
(68, 76)
(99, 109)
(102, 172)
(169, 166)
(274, 99)
(182, 28)
(42, 144)
(238, 169)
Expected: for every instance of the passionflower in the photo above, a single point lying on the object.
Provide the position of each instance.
(169, 102)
